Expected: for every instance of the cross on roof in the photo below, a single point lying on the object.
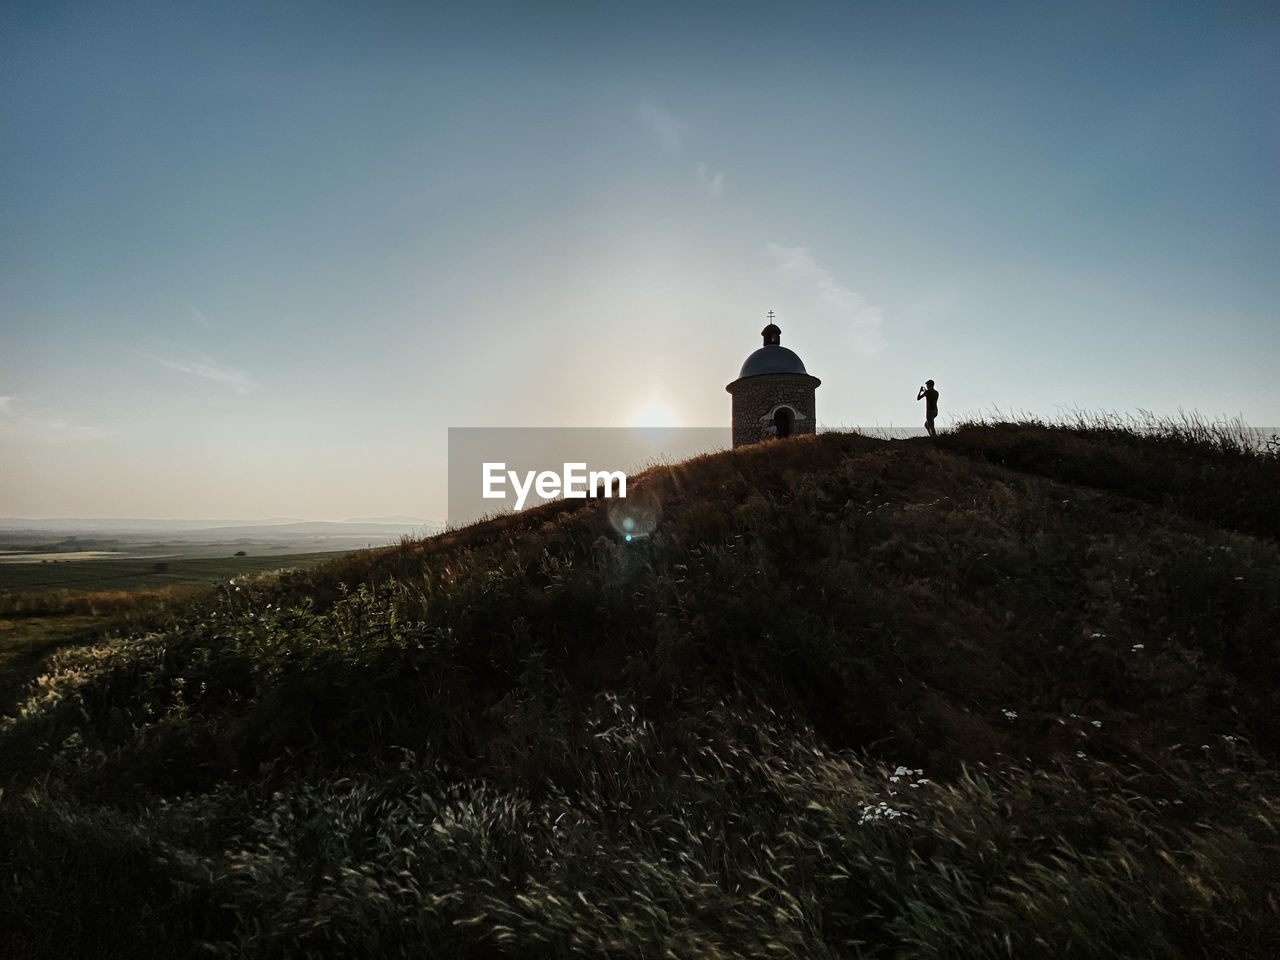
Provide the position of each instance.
(770, 316)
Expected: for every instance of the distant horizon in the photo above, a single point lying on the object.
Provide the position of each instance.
(213, 523)
(400, 520)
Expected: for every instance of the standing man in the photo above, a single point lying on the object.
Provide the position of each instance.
(930, 398)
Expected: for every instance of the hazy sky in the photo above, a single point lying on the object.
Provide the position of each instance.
(256, 258)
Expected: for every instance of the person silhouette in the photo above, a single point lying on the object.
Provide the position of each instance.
(930, 398)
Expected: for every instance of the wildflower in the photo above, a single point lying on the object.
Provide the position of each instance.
(1075, 716)
(1096, 723)
(1139, 646)
(1080, 754)
(881, 811)
(1010, 714)
(1096, 636)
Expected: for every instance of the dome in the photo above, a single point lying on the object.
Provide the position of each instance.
(772, 359)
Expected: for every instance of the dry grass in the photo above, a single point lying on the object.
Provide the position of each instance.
(853, 698)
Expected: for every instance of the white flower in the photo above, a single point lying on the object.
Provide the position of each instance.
(1010, 714)
(1139, 646)
(1096, 723)
(1080, 754)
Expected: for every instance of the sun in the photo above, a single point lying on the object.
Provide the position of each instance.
(654, 414)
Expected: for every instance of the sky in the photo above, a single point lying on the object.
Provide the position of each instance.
(257, 258)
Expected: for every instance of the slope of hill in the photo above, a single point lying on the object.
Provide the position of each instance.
(1013, 693)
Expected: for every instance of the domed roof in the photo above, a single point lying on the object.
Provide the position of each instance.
(772, 359)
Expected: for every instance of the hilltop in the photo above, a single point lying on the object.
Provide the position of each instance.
(1015, 692)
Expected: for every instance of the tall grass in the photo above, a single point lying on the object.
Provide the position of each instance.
(852, 699)
(1221, 471)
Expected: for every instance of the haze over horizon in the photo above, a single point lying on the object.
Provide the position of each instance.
(196, 524)
(256, 259)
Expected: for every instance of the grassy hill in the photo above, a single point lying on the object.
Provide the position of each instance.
(1012, 693)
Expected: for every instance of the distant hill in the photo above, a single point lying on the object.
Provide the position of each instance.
(133, 539)
(103, 524)
(399, 520)
(1014, 692)
(345, 528)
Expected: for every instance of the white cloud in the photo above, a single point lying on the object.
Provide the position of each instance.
(42, 426)
(863, 321)
(197, 315)
(714, 182)
(671, 132)
(225, 376)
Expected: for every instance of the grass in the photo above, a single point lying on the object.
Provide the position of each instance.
(26, 642)
(130, 574)
(1218, 471)
(46, 606)
(853, 698)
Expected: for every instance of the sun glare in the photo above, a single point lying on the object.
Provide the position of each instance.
(654, 414)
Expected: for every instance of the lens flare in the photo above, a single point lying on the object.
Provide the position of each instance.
(634, 517)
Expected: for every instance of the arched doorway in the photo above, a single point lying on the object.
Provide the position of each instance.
(784, 418)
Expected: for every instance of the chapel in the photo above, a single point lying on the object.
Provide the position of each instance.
(773, 388)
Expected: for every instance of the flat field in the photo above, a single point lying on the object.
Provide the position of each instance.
(149, 573)
(65, 600)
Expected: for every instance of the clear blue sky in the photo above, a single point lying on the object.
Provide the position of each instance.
(256, 258)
